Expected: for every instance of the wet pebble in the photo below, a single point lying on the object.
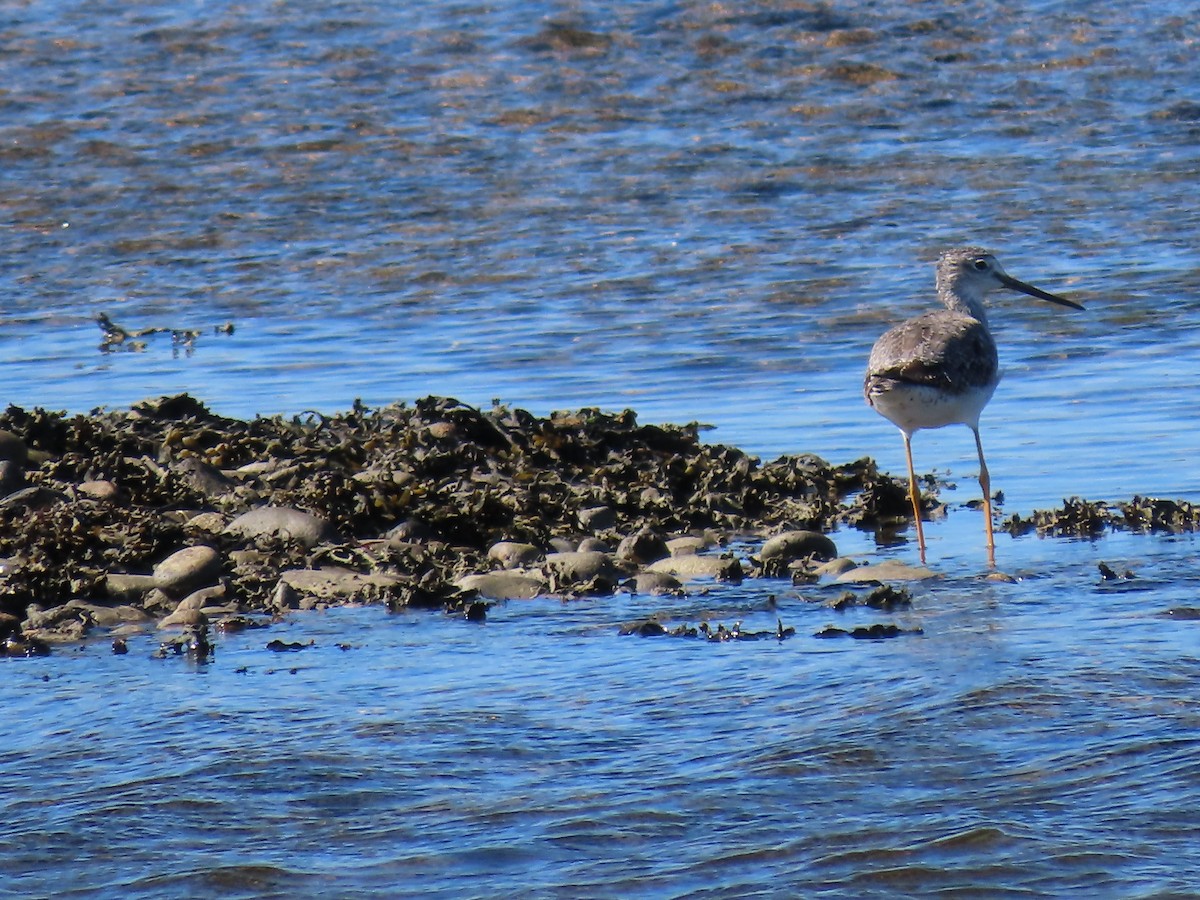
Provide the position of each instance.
(99, 490)
(207, 522)
(187, 569)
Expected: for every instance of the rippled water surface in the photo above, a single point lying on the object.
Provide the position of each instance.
(701, 211)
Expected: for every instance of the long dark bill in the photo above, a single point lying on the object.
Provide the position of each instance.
(1013, 284)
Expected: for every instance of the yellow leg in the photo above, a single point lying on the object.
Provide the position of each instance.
(914, 495)
(985, 482)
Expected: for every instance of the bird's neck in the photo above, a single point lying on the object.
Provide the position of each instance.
(959, 298)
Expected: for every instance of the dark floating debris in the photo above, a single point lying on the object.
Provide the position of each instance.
(1109, 574)
(115, 338)
(1183, 613)
(278, 646)
(868, 632)
(884, 597)
(194, 644)
(719, 634)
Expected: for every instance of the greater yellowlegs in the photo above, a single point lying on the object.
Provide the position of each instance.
(940, 368)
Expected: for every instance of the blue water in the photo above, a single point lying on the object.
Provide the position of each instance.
(700, 213)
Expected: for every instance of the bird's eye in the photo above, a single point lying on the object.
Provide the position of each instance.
(980, 265)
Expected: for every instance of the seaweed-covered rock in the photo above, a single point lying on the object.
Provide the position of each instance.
(100, 500)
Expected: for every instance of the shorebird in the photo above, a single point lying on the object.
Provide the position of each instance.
(940, 368)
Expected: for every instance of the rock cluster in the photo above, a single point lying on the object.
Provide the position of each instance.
(170, 516)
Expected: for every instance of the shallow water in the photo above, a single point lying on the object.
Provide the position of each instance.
(698, 213)
(1037, 738)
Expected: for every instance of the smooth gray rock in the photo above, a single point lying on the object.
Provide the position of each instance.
(656, 583)
(883, 572)
(835, 567)
(37, 619)
(580, 567)
(188, 617)
(208, 522)
(332, 584)
(284, 597)
(688, 567)
(512, 554)
(111, 616)
(281, 522)
(798, 545)
(188, 569)
(128, 588)
(501, 585)
(643, 547)
(597, 518)
(688, 545)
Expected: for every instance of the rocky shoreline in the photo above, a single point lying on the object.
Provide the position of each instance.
(167, 516)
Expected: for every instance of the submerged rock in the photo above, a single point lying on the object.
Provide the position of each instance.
(719, 568)
(792, 545)
(888, 570)
(656, 584)
(502, 585)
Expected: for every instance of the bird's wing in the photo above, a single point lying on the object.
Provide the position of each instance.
(939, 349)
